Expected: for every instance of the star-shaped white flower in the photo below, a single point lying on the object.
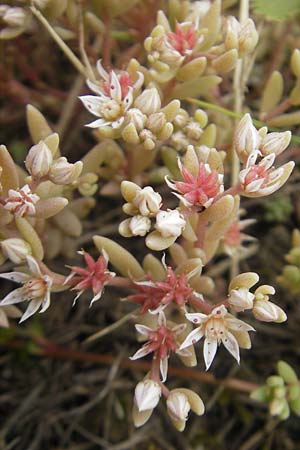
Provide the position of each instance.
(218, 326)
(35, 290)
(114, 97)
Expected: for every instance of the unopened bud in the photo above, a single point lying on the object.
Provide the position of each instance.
(241, 299)
(147, 201)
(178, 406)
(139, 225)
(147, 394)
(15, 249)
(148, 102)
(275, 143)
(170, 223)
(63, 172)
(14, 16)
(248, 37)
(246, 138)
(267, 311)
(39, 159)
(156, 121)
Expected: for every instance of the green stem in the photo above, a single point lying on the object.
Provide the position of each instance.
(67, 51)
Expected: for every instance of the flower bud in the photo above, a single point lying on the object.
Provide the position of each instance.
(147, 201)
(137, 118)
(15, 249)
(148, 102)
(275, 143)
(156, 121)
(248, 37)
(267, 311)
(139, 225)
(147, 394)
(178, 406)
(39, 159)
(170, 223)
(62, 172)
(246, 138)
(14, 16)
(241, 299)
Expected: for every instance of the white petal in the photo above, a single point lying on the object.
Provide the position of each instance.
(209, 351)
(255, 185)
(238, 325)
(196, 317)
(33, 266)
(15, 296)
(95, 87)
(268, 161)
(46, 302)
(145, 350)
(17, 277)
(31, 309)
(98, 123)
(117, 123)
(115, 88)
(142, 329)
(252, 158)
(231, 344)
(138, 84)
(128, 99)
(93, 103)
(163, 366)
(192, 338)
(102, 71)
(95, 298)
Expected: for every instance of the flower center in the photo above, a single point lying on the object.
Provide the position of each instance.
(35, 288)
(111, 110)
(215, 328)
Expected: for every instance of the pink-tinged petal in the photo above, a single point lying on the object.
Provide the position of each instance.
(98, 123)
(142, 329)
(196, 317)
(93, 103)
(209, 351)
(31, 309)
(231, 344)
(3, 319)
(145, 350)
(17, 277)
(115, 88)
(163, 366)
(15, 296)
(192, 338)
